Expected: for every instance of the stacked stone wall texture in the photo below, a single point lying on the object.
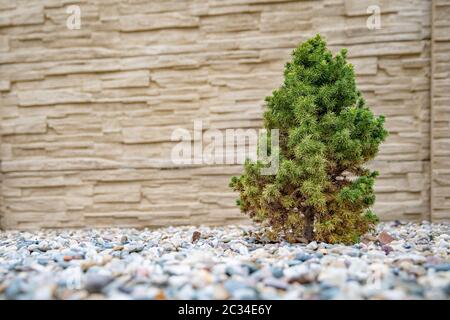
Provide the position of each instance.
(87, 115)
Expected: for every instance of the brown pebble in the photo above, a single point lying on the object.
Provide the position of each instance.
(195, 236)
(160, 295)
(385, 238)
(67, 258)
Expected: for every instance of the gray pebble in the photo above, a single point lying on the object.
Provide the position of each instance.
(95, 283)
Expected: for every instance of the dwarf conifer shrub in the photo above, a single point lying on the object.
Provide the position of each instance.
(322, 190)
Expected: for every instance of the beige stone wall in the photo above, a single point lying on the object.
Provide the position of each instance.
(87, 115)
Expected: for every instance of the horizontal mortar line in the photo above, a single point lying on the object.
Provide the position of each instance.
(174, 167)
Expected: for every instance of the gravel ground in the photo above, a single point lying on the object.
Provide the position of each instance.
(400, 261)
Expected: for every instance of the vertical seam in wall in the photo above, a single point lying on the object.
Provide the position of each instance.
(432, 14)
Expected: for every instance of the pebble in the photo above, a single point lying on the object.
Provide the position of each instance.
(312, 246)
(303, 256)
(195, 236)
(276, 283)
(401, 260)
(333, 276)
(123, 239)
(385, 238)
(33, 247)
(43, 246)
(443, 267)
(244, 294)
(277, 272)
(178, 269)
(133, 248)
(233, 285)
(239, 247)
(96, 282)
(387, 249)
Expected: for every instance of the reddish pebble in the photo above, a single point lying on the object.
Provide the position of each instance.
(385, 238)
(195, 236)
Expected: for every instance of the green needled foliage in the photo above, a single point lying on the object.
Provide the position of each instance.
(321, 191)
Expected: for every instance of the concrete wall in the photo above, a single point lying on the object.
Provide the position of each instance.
(87, 115)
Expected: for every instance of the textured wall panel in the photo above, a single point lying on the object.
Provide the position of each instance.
(87, 115)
